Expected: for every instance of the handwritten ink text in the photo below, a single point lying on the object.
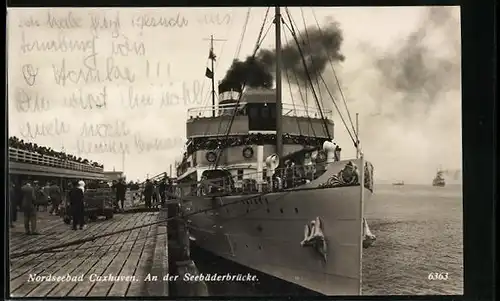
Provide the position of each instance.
(30, 101)
(54, 128)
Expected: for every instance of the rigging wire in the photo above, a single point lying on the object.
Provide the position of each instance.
(324, 82)
(300, 92)
(220, 147)
(337, 80)
(138, 239)
(291, 97)
(309, 42)
(308, 75)
(216, 64)
(258, 46)
(215, 67)
(238, 49)
(260, 33)
(141, 238)
(260, 38)
(184, 215)
(145, 237)
(306, 107)
(237, 53)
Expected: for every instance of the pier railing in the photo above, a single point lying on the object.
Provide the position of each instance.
(23, 156)
(228, 109)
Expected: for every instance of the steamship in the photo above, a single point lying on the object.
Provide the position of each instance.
(438, 180)
(267, 187)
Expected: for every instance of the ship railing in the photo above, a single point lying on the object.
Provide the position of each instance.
(305, 111)
(220, 110)
(255, 182)
(228, 110)
(24, 156)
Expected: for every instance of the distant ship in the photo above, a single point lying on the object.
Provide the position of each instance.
(439, 179)
(402, 183)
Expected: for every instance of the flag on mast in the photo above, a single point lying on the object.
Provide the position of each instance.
(211, 55)
(209, 73)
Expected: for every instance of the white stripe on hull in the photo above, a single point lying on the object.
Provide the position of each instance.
(265, 234)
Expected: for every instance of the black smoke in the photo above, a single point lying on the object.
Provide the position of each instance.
(415, 69)
(317, 46)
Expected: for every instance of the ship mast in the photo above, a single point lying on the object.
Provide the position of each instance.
(211, 56)
(212, 59)
(279, 130)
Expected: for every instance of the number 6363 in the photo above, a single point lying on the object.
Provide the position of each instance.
(438, 276)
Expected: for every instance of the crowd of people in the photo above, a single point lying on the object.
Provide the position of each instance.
(157, 191)
(47, 151)
(33, 196)
(207, 143)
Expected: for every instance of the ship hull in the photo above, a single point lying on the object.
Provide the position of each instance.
(265, 232)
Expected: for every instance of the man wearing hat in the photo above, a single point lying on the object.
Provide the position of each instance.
(148, 193)
(121, 190)
(77, 206)
(29, 208)
(55, 197)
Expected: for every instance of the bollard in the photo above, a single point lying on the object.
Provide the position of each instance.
(172, 211)
(163, 215)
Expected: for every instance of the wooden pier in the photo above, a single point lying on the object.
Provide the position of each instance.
(130, 254)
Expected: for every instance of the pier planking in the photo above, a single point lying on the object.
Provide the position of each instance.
(160, 263)
(119, 258)
(121, 254)
(80, 263)
(119, 289)
(145, 264)
(19, 286)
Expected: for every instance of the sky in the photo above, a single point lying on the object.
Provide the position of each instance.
(401, 73)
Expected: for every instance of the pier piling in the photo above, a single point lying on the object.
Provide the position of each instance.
(179, 257)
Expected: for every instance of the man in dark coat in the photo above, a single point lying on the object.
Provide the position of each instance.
(163, 191)
(156, 193)
(148, 193)
(29, 208)
(12, 204)
(42, 199)
(55, 197)
(113, 189)
(77, 206)
(121, 190)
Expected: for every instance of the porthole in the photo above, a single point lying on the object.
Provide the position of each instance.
(248, 152)
(211, 157)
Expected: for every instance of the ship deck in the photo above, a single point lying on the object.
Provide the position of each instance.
(130, 253)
